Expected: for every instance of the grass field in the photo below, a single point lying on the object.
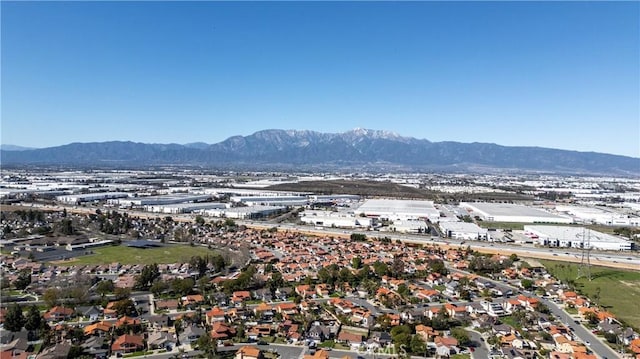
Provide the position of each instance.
(619, 289)
(501, 225)
(129, 255)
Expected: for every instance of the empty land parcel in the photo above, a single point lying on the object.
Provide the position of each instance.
(619, 290)
(129, 255)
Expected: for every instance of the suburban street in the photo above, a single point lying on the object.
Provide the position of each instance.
(596, 344)
(481, 350)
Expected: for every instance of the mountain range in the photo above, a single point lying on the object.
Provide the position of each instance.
(353, 150)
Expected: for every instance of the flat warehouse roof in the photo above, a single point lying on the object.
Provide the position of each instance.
(574, 233)
(396, 205)
(507, 209)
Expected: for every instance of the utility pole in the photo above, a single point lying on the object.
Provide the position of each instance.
(584, 270)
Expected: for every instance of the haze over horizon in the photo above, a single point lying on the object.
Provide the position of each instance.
(557, 75)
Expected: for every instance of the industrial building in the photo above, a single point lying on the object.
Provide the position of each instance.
(334, 219)
(607, 217)
(272, 200)
(506, 212)
(162, 200)
(409, 226)
(576, 237)
(184, 207)
(334, 198)
(464, 230)
(393, 210)
(90, 197)
(243, 212)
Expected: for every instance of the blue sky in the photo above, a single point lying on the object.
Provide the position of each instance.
(561, 75)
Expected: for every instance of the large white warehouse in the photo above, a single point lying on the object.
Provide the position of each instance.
(334, 219)
(394, 210)
(464, 230)
(576, 237)
(607, 217)
(242, 212)
(506, 212)
(163, 200)
(100, 196)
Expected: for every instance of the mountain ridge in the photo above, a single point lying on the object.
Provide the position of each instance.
(358, 148)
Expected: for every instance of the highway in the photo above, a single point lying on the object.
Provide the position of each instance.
(621, 260)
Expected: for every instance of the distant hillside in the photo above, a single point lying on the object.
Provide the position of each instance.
(14, 148)
(359, 149)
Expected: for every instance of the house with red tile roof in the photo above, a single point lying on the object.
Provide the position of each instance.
(127, 344)
(126, 321)
(99, 329)
(222, 331)
(215, 315)
(248, 352)
(58, 313)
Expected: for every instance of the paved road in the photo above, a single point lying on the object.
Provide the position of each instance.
(596, 344)
(481, 351)
(609, 259)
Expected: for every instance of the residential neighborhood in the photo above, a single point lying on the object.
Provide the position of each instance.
(324, 295)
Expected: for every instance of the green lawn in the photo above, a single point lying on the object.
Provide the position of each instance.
(129, 255)
(501, 225)
(619, 289)
(511, 321)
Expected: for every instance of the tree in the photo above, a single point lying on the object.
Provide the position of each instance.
(198, 264)
(148, 274)
(401, 335)
(461, 335)
(33, 321)
(14, 319)
(465, 294)
(403, 290)
(592, 318)
(356, 262)
(218, 262)
(276, 281)
(437, 266)
(79, 293)
(526, 283)
(122, 293)
(611, 337)
(397, 267)
(182, 286)
(380, 268)
(104, 287)
(124, 307)
(358, 237)
(66, 227)
(199, 220)
(345, 276)
(23, 280)
(51, 297)
(77, 351)
(158, 287)
(208, 345)
(417, 345)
